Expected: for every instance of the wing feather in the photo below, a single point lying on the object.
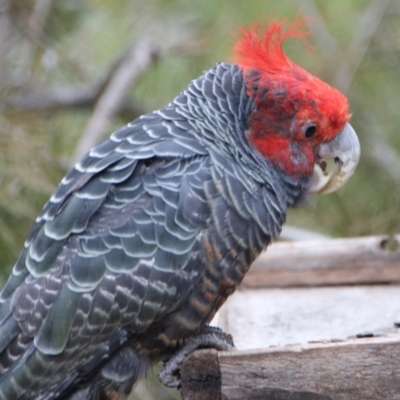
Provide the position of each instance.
(103, 254)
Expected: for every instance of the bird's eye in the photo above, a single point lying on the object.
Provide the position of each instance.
(310, 130)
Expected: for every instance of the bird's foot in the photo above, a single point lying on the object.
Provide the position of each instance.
(209, 337)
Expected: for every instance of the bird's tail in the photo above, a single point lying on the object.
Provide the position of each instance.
(116, 378)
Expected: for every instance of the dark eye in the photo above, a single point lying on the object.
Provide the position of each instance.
(309, 130)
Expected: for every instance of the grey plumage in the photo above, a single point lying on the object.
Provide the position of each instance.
(140, 245)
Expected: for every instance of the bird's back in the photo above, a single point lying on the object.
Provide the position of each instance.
(140, 244)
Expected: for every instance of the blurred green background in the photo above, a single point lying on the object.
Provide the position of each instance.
(58, 57)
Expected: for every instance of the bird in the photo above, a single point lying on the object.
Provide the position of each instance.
(150, 232)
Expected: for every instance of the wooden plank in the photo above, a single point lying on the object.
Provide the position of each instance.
(359, 369)
(259, 318)
(326, 262)
(337, 369)
(201, 377)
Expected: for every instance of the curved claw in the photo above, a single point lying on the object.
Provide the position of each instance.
(210, 336)
(345, 151)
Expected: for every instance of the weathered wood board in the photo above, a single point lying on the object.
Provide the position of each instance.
(261, 318)
(358, 369)
(362, 260)
(295, 321)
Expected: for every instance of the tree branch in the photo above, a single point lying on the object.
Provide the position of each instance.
(138, 59)
(4, 33)
(82, 95)
(35, 30)
(346, 69)
(367, 28)
(383, 154)
(325, 42)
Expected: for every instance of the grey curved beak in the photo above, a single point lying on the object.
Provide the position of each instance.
(345, 150)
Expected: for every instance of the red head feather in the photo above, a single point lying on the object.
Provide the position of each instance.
(287, 98)
(265, 52)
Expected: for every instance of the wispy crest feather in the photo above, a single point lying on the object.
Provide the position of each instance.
(262, 48)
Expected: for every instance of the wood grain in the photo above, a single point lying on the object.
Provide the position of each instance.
(201, 377)
(359, 369)
(361, 260)
(342, 295)
(367, 369)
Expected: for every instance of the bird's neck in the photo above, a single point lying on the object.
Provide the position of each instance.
(218, 108)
